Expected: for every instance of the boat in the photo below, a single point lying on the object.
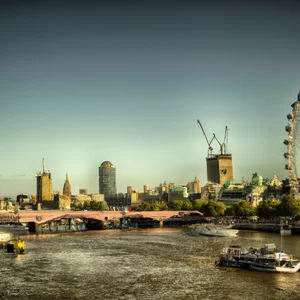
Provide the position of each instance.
(266, 259)
(185, 218)
(16, 246)
(285, 230)
(212, 230)
(138, 221)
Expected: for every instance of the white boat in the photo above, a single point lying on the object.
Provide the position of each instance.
(212, 230)
(285, 230)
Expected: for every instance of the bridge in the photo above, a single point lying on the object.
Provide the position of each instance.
(45, 216)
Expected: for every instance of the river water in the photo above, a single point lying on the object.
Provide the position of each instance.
(156, 263)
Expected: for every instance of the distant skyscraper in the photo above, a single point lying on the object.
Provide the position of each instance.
(67, 187)
(44, 185)
(146, 188)
(129, 189)
(107, 179)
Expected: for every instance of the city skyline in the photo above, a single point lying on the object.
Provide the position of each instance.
(85, 83)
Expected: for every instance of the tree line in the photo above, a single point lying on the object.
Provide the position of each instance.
(270, 208)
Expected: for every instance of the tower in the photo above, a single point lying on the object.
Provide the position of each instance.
(219, 168)
(107, 179)
(44, 185)
(67, 187)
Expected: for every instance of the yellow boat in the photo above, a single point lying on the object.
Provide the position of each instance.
(16, 246)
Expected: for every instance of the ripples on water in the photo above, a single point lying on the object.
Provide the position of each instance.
(140, 264)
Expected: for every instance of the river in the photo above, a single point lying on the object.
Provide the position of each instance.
(156, 263)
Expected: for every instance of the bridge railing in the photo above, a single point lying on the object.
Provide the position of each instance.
(9, 219)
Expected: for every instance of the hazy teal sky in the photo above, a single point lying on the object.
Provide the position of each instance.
(85, 83)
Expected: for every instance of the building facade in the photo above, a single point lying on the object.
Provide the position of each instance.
(44, 185)
(107, 179)
(219, 168)
(194, 186)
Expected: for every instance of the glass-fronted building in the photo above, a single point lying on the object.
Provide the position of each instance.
(107, 179)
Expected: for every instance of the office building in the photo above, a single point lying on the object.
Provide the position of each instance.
(107, 179)
(44, 185)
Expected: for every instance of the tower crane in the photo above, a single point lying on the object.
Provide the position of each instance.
(223, 146)
(210, 149)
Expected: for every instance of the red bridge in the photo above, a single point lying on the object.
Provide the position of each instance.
(45, 216)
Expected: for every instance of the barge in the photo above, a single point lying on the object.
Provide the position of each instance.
(266, 259)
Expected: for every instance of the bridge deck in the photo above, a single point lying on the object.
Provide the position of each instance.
(44, 216)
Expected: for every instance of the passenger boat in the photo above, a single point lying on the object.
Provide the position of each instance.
(266, 259)
(16, 246)
(212, 230)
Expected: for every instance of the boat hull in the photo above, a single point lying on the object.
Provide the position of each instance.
(212, 230)
(275, 269)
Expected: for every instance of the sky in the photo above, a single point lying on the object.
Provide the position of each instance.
(126, 81)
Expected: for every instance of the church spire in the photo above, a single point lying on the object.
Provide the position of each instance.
(67, 187)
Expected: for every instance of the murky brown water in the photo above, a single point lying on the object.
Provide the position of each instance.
(145, 264)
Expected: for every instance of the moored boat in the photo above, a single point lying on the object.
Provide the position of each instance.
(266, 259)
(16, 246)
(138, 221)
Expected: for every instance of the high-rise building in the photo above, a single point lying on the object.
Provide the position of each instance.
(129, 189)
(67, 187)
(107, 179)
(146, 188)
(44, 185)
(219, 168)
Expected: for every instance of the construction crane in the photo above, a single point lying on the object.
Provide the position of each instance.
(223, 146)
(210, 149)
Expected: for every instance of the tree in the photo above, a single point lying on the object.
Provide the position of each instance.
(98, 205)
(86, 205)
(200, 204)
(104, 205)
(229, 211)
(163, 206)
(175, 204)
(155, 206)
(269, 208)
(289, 206)
(143, 207)
(210, 208)
(187, 205)
(243, 209)
(219, 207)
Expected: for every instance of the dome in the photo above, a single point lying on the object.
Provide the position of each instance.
(107, 164)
